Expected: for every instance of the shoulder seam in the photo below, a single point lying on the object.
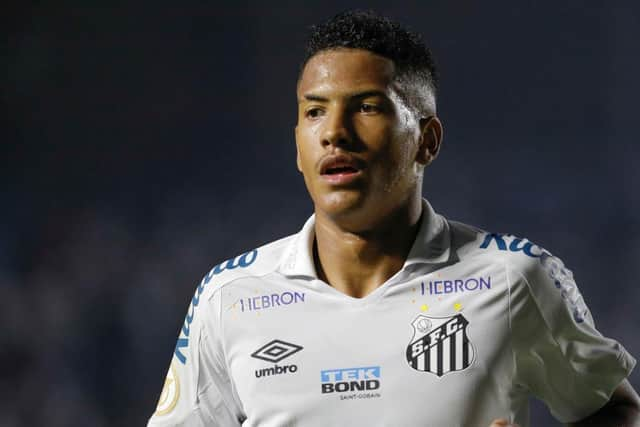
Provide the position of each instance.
(209, 276)
(220, 286)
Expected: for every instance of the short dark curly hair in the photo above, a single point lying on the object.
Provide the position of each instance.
(367, 30)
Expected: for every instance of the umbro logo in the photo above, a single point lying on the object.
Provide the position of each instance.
(274, 352)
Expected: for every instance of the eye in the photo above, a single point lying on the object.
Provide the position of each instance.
(369, 108)
(314, 112)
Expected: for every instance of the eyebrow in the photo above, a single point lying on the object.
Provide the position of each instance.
(311, 97)
(364, 94)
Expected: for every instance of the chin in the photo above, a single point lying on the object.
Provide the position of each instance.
(339, 203)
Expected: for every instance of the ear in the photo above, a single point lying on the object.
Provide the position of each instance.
(430, 140)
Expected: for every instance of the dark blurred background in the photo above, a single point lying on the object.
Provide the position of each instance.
(144, 142)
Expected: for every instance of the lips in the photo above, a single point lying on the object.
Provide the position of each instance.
(339, 164)
(341, 169)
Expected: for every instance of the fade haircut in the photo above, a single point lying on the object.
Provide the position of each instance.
(415, 68)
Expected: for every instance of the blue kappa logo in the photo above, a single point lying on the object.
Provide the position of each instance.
(515, 244)
(563, 280)
(241, 261)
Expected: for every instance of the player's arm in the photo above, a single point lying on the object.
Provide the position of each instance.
(560, 357)
(623, 409)
(198, 390)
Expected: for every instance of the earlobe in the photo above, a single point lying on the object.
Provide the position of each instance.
(430, 140)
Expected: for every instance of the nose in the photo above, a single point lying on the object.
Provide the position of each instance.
(336, 129)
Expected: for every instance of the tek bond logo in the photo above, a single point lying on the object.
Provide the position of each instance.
(359, 382)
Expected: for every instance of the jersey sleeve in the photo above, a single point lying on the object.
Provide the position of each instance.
(197, 390)
(559, 355)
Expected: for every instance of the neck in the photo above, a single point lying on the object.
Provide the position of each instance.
(356, 263)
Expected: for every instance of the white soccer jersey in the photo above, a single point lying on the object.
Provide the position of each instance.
(470, 326)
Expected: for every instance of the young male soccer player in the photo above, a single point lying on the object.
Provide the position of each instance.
(380, 312)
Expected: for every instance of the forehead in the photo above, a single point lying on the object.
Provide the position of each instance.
(345, 70)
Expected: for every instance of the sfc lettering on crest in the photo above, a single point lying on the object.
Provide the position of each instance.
(440, 345)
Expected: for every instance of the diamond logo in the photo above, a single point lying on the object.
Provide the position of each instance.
(275, 351)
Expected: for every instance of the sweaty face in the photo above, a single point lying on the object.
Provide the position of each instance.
(357, 141)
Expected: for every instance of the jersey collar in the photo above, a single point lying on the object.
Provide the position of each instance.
(433, 241)
(432, 245)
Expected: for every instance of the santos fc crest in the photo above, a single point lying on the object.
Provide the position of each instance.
(440, 345)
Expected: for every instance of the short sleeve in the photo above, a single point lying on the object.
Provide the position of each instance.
(197, 390)
(559, 355)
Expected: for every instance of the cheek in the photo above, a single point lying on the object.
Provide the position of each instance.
(304, 166)
(397, 148)
(399, 159)
(306, 154)
(406, 135)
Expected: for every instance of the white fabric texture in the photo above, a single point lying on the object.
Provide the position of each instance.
(471, 326)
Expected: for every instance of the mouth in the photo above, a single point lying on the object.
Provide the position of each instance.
(340, 169)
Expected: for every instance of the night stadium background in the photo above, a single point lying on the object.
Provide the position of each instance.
(144, 142)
